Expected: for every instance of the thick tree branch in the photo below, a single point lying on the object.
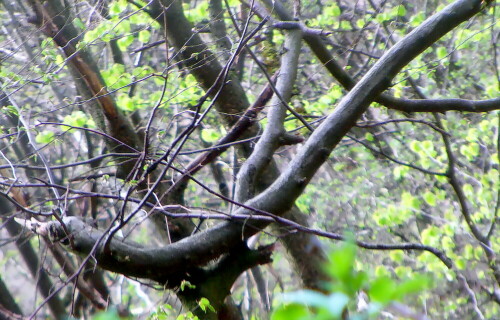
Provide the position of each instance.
(218, 27)
(198, 58)
(7, 300)
(169, 265)
(247, 120)
(315, 42)
(161, 263)
(82, 240)
(274, 131)
(280, 196)
(230, 102)
(65, 38)
(439, 105)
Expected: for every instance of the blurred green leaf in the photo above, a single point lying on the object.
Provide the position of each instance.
(291, 312)
(45, 137)
(382, 290)
(430, 198)
(144, 36)
(205, 305)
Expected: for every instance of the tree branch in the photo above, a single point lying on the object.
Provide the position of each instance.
(162, 263)
(280, 196)
(269, 141)
(7, 300)
(315, 42)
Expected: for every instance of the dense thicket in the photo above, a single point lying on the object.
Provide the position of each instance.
(202, 157)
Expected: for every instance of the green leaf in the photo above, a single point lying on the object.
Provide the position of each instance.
(382, 290)
(78, 119)
(332, 11)
(142, 71)
(478, 253)
(415, 146)
(468, 189)
(205, 305)
(428, 145)
(369, 136)
(186, 284)
(400, 172)
(9, 110)
(79, 24)
(468, 251)
(337, 302)
(210, 135)
(382, 17)
(447, 243)
(59, 59)
(402, 271)
(461, 263)
(401, 11)
(117, 7)
(472, 135)
(430, 198)
(408, 200)
(187, 316)
(417, 19)
(144, 36)
(411, 286)
(381, 271)
(125, 42)
(441, 53)
(124, 102)
(107, 315)
(430, 236)
(123, 27)
(342, 261)
(345, 25)
(360, 23)
(396, 255)
(45, 137)
(291, 312)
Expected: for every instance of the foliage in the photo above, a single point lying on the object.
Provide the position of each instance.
(398, 177)
(343, 288)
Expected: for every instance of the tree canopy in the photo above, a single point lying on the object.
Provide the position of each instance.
(198, 159)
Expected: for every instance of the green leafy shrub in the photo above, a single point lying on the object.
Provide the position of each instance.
(346, 282)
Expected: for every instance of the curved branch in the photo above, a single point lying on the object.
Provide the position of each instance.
(439, 105)
(247, 120)
(280, 196)
(47, 18)
(231, 101)
(315, 42)
(165, 264)
(162, 264)
(269, 142)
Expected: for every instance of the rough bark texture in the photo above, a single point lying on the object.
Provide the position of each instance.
(192, 258)
(232, 101)
(279, 197)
